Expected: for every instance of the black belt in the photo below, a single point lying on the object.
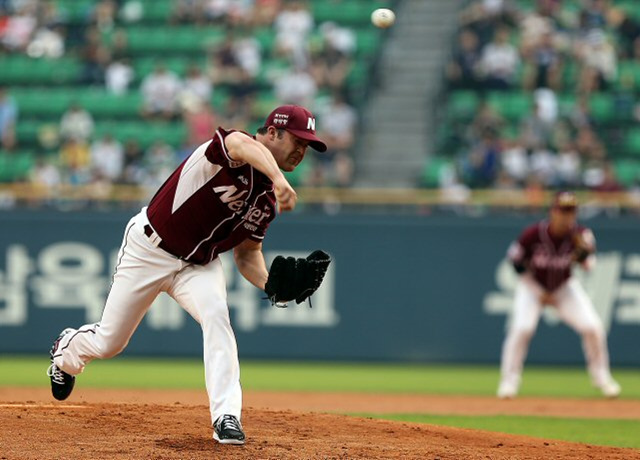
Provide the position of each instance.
(150, 232)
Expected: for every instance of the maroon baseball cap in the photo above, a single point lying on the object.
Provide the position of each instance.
(299, 122)
(565, 200)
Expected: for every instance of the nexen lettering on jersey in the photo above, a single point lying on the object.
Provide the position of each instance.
(211, 203)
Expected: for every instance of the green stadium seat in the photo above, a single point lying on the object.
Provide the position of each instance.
(627, 172)
(602, 107)
(348, 13)
(367, 42)
(632, 142)
(433, 169)
(157, 11)
(15, 166)
(23, 70)
(513, 106)
(75, 11)
(98, 102)
(462, 105)
(146, 133)
(162, 41)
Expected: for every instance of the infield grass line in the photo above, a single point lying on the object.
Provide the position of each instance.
(605, 432)
(472, 380)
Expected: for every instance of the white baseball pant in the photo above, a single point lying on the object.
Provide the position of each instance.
(142, 272)
(574, 308)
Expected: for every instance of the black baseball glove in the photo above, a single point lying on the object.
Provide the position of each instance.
(296, 279)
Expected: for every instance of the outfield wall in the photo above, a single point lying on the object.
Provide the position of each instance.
(413, 288)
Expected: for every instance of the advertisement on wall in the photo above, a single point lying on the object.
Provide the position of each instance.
(424, 289)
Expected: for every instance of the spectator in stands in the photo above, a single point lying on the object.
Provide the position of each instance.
(247, 51)
(627, 28)
(462, 71)
(499, 62)
(119, 76)
(609, 181)
(293, 25)
(95, 58)
(196, 85)
(20, 27)
(543, 67)
(76, 123)
(8, 120)
(107, 157)
(593, 15)
(75, 159)
(297, 86)
(514, 161)
(599, 62)
(580, 115)
(103, 15)
(482, 164)
(187, 12)
(223, 66)
(159, 163)
(133, 166)
(47, 42)
(485, 16)
(332, 62)
(542, 163)
(160, 91)
(338, 121)
(265, 12)
(45, 173)
(568, 166)
(537, 127)
(201, 122)
(486, 118)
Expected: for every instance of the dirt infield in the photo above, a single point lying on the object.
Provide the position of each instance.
(160, 425)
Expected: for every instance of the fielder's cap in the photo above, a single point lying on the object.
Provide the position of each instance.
(299, 122)
(565, 200)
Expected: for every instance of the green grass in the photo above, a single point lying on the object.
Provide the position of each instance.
(561, 382)
(123, 372)
(619, 433)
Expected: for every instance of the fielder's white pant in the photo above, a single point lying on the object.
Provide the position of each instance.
(574, 307)
(142, 272)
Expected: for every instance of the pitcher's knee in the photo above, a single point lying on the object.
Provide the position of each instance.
(108, 348)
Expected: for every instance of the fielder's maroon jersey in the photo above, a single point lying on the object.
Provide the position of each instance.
(211, 203)
(548, 258)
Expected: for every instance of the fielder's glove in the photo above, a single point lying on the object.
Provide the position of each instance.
(296, 279)
(582, 248)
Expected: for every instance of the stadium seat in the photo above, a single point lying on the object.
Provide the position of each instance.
(179, 40)
(632, 142)
(433, 170)
(23, 70)
(513, 106)
(15, 165)
(462, 105)
(627, 172)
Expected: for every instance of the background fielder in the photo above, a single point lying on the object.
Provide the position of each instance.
(543, 256)
(222, 197)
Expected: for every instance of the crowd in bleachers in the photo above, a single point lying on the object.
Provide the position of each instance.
(542, 94)
(120, 92)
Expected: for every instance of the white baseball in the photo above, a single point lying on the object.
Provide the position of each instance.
(383, 18)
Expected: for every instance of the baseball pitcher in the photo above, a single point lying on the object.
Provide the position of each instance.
(544, 256)
(222, 197)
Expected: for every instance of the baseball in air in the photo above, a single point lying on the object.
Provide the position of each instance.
(383, 18)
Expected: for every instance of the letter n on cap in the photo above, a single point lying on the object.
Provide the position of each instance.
(311, 123)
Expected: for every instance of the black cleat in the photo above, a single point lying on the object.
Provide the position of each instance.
(61, 382)
(228, 430)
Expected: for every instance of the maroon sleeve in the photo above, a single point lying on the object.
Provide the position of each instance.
(217, 153)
